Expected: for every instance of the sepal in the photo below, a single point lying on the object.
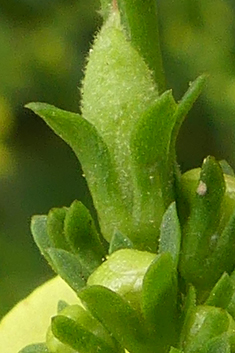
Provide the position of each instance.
(119, 318)
(68, 267)
(201, 227)
(170, 234)
(159, 301)
(119, 241)
(35, 348)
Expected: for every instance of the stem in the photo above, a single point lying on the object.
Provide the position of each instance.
(139, 17)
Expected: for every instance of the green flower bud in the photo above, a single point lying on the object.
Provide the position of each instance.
(53, 344)
(206, 324)
(123, 272)
(208, 207)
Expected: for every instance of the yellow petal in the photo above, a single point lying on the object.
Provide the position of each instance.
(28, 321)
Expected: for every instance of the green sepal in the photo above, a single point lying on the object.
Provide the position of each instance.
(175, 350)
(170, 234)
(222, 292)
(55, 228)
(145, 38)
(119, 241)
(106, 6)
(123, 272)
(90, 149)
(159, 301)
(188, 309)
(205, 323)
(185, 104)
(152, 168)
(62, 304)
(35, 348)
(40, 236)
(71, 333)
(84, 319)
(199, 232)
(117, 316)
(68, 267)
(218, 345)
(231, 306)
(223, 258)
(227, 169)
(81, 235)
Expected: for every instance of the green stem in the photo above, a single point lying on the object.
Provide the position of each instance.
(139, 17)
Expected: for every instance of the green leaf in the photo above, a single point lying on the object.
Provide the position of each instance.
(186, 104)
(223, 258)
(231, 306)
(85, 321)
(106, 6)
(81, 234)
(123, 272)
(206, 323)
(199, 232)
(62, 304)
(71, 333)
(91, 151)
(218, 345)
(55, 228)
(119, 241)
(175, 350)
(141, 24)
(189, 306)
(68, 267)
(119, 318)
(222, 292)
(152, 168)
(170, 233)
(35, 348)
(40, 236)
(227, 169)
(160, 301)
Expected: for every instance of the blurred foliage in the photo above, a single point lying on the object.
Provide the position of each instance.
(43, 45)
(199, 36)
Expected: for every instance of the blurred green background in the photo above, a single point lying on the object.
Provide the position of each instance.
(43, 48)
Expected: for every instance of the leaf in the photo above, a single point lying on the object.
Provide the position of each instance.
(152, 167)
(175, 350)
(62, 304)
(187, 312)
(227, 169)
(35, 348)
(223, 258)
(89, 147)
(106, 6)
(145, 38)
(231, 306)
(68, 267)
(218, 345)
(206, 323)
(81, 235)
(119, 241)
(170, 234)
(222, 292)
(123, 272)
(186, 104)
(55, 228)
(160, 301)
(71, 333)
(87, 322)
(199, 232)
(40, 236)
(117, 316)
